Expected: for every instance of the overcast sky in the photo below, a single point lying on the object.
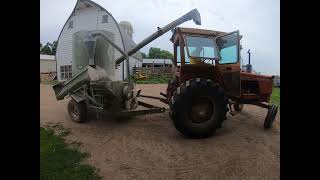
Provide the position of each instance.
(257, 20)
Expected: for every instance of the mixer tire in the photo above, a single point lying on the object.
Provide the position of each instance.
(77, 111)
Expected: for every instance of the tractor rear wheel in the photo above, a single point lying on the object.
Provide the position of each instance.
(272, 112)
(77, 111)
(198, 107)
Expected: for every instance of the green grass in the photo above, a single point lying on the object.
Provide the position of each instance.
(160, 79)
(49, 82)
(275, 97)
(61, 161)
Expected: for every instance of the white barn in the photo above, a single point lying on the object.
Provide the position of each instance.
(87, 15)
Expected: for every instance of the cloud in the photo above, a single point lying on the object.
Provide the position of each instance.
(258, 22)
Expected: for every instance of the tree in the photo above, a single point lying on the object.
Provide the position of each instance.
(166, 54)
(54, 47)
(154, 53)
(49, 48)
(46, 49)
(144, 55)
(157, 53)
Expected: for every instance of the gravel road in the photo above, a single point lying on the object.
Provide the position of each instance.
(149, 147)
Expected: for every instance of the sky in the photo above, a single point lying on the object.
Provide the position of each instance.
(257, 20)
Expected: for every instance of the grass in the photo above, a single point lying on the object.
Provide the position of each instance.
(49, 82)
(61, 161)
(154, 79)
(275, 97)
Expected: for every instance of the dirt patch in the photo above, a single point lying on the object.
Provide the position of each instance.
(149, 147)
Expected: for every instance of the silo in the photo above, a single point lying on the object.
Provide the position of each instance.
(127, 26)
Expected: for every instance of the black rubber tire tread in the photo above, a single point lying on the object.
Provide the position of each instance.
(82, 109)
(181, 102)
(172, 83)
(238, 107)
(272, 112)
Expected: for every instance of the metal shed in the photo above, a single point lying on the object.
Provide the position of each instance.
(47, 63)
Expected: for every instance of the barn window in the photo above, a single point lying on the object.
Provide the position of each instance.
(104, 19)
(70, 25)
(66, 72)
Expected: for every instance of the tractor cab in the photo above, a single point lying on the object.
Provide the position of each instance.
(208, 54)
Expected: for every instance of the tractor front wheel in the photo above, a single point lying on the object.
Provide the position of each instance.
(77, 111)
(272, 112)
(238, 107)
(198, 107)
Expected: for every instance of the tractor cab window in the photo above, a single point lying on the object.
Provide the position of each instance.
(186, 58)
(200, 49)
(228, 46)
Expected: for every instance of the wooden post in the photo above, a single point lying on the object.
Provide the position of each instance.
(153, 67)
(164, 64)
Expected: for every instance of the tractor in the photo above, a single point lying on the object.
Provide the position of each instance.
(208, 82)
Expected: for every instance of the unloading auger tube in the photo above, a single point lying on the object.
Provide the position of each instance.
(193, 14)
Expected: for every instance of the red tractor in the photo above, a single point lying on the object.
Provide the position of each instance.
(208, 82)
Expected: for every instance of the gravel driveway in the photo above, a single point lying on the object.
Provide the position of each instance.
(149, 147)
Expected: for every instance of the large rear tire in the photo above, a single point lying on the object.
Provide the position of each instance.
(77, 111)
(198, 107)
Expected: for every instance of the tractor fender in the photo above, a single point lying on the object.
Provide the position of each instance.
(78, 97)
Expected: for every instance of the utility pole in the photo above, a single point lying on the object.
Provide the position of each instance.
(249, 56)
(249, 67)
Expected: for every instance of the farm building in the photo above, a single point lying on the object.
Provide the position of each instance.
(276, 81)
(47, 63)
(153, 66)
(89, 16)
(156, 62)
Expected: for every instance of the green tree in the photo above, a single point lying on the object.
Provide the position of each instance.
(49, 48)
(54, 47)
(166, 54)
(157, 53)
(154, 53)
(143, 55)
(46, 49)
